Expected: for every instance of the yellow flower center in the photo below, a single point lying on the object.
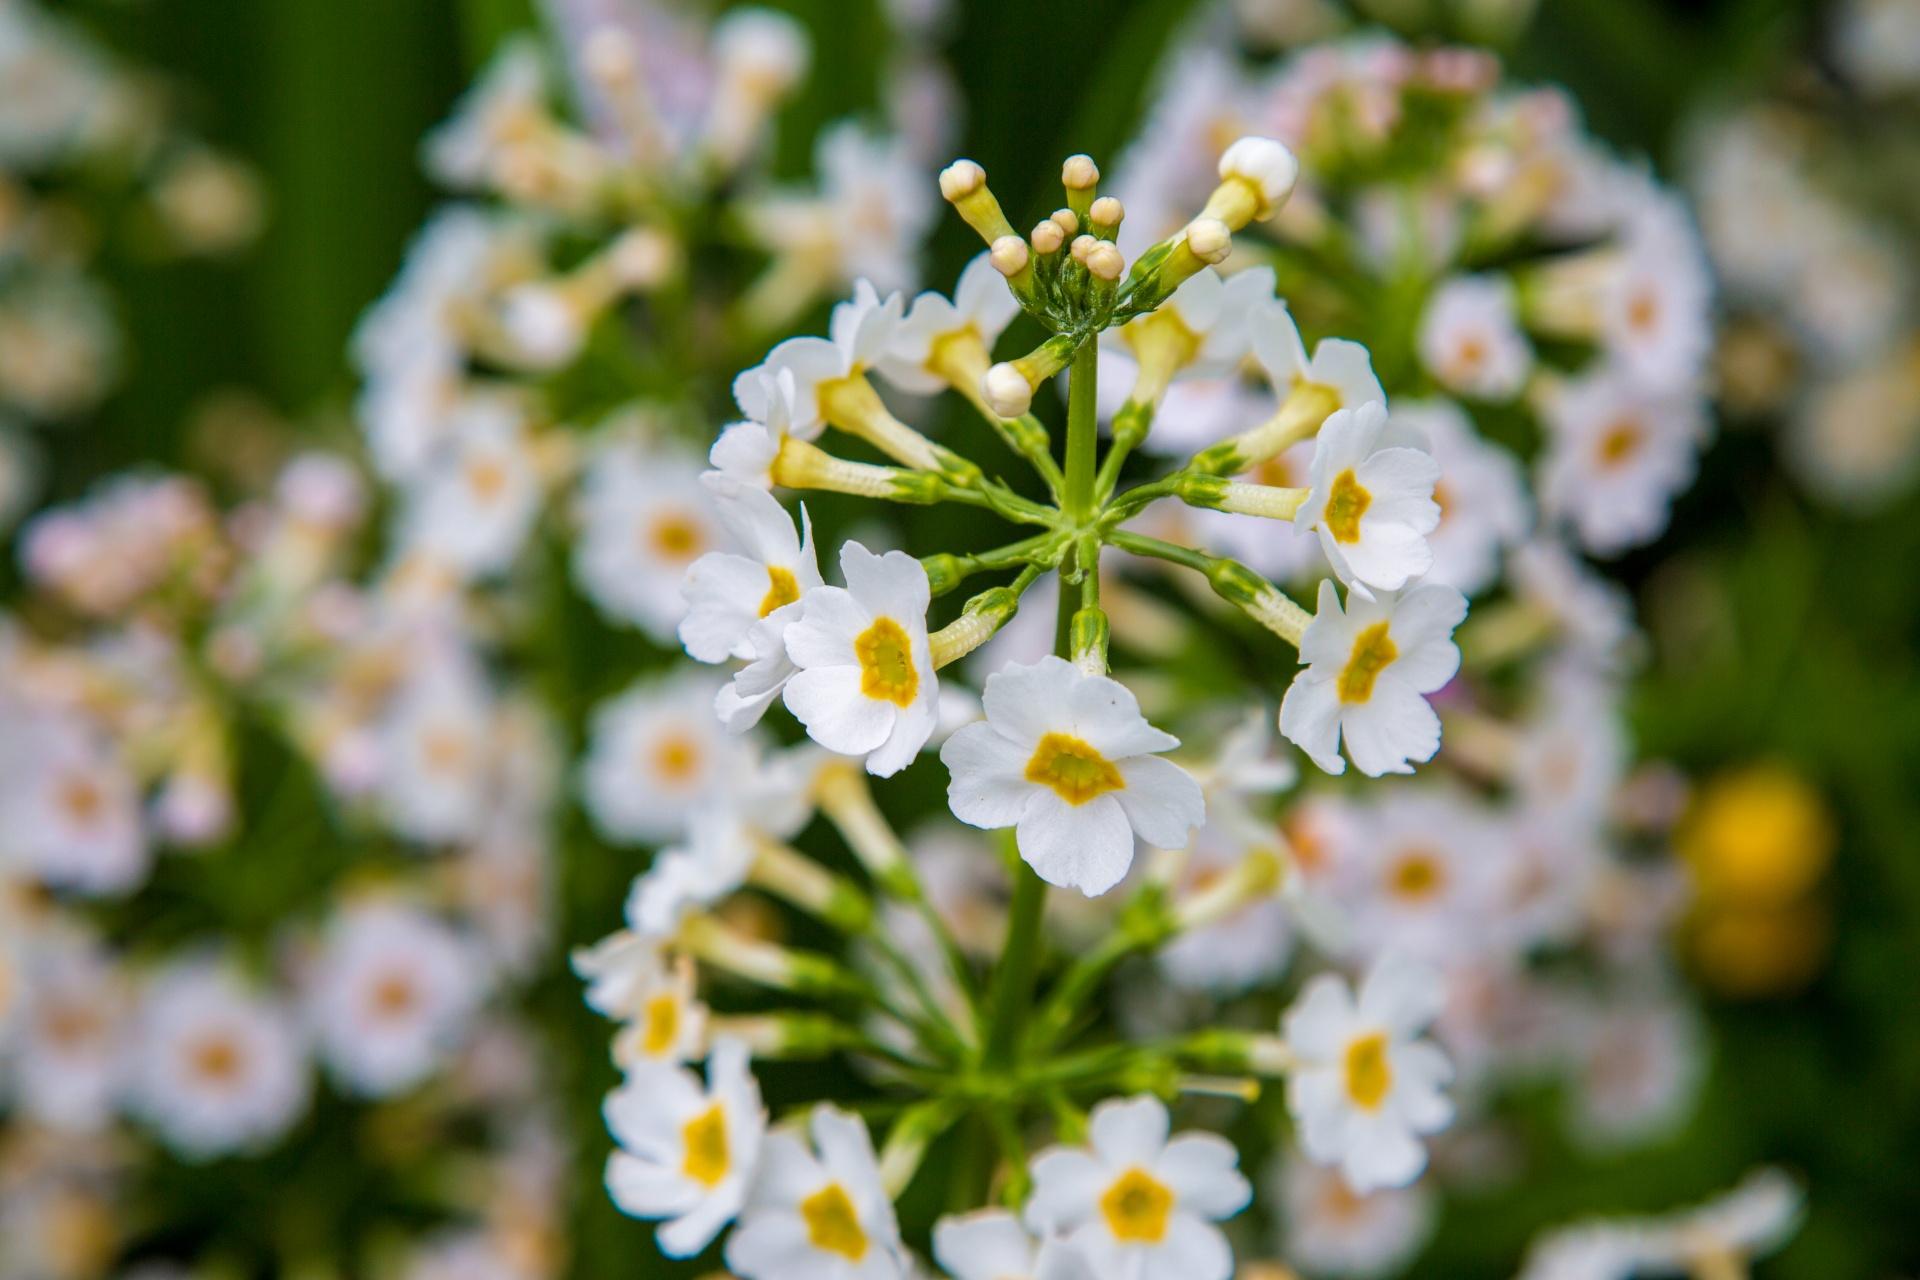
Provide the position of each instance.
(675, 536)
(394, 996)
(1416, 876)
(886, 663)
(662, 1023)
(1076, 772)
(217, 1060)
(82, 800)
(1137, 1207)
(677, 758)
(1621, 442)
(832, 1224)
(1369, 1074)
(706, 1141)
(782, 589)
(487, 478)
(1372, 651)
(1345, 505)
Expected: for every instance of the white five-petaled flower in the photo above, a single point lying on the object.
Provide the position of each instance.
(1364, 1088)
(1371, 501)
(1369, 667)
(862, 330)
(1067, 759)
(727, 593)
(656, 754)
(687, 1153)
(865, 684)
(990, 1244)
(982, 307)
(1470, 338)
(1616, 455)
(1341, 366)
(821, 1214)
(756, 686)
(1331, 1231)
(645, 519)
(746, 451)
(1483, 501)
(1138, 1206)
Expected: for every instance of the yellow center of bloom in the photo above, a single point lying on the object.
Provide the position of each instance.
(393, 996)
(1345, 505)
(886, 663)
(706, 1140)
(1643, 312)
(677, 758)
(1416, 876)
(487, 478)
(1442, 498)
(675, 536)
(782, 589)
(1372, 651)
(216, 1060)
(82, 800)
(1137, 1207)
(832, 1224)
(1621, 442)
(662, 1025)
(1369, 1074)
(1076, 772)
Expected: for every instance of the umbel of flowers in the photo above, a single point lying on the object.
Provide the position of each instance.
(1062, 760)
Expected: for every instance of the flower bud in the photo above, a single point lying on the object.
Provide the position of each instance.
(1079, 173)
(961, 179)
(1209, 239)
(1007, 392)
(1048, 237)
(1106, 215)
(1105, 260)
(1067, 220)
(1081, 244)
(1256, 177)
(1009, 256)
(964, 184)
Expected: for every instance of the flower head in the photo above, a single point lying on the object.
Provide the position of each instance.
(1364, 1088)
(1371, 501)
(1341, 366)
(1136, 1204)
(821, 1212)
(1067, 759)
(728, 593)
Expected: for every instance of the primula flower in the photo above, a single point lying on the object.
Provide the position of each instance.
(655, 755)
(1137, 1204)
(1341, 366)
(667, 1022)
(1066, 758)
(686, 1153)
(1372, 502)
(645, 519)
(1616, 455)
(1331, 1231)
(1470, 338)
(990, 1244)
(727, 593)
(818, 1214)
(981, 309)
(1368, 669)
(1364, 1089)
(756, 686)
(865, 684)
(1484, 507)
(862, 330)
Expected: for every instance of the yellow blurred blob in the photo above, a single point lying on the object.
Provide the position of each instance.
(1760, 834)
(1753, 951)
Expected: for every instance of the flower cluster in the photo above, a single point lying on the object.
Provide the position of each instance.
(87, 146)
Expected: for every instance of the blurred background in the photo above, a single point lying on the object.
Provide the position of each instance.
(1782, 608)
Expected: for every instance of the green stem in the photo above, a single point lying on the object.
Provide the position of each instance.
(1019, 962)
(1083, 434)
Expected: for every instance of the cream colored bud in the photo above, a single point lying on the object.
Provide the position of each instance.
(1048, 237)
(1007, 393)
(1067, 220)
(1107, 212)
(1268, 166)
(1081, 244)
(1009, 255)
(961, 179)
(1105, 260)
(1209, 240)
(1079, 173)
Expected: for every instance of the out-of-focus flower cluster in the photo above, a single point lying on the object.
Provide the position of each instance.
(1800, 202)
(91, 158)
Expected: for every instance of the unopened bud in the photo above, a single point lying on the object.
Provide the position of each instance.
(1209, 240)
(1079, 173)
(1067, 220)
(1048, 237)
(1007, 393)
(1081, 244)
(1009, 256)
(1106, 214)
(1105, 260)
(1256, 177)
(961, 179)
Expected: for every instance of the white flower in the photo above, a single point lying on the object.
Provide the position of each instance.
(873, 208)
(711, 864)
(759, 56)
(861, 332)
(759, 684)
(1136, 1204)
(1420, 878)
(1214, 317)
(655, 754)
(1364, 1089)
(981, 309)
(392, 996)
(69, 808)
(66, 1066)
(434, 752)
(1341, 366)
(1748, 1222)
(1330, 1231)
(1484, 508)
(1371, 501)
(990, 1244)
(1636, 1066)
(865, 684)
(1616, 455)
(1245, 948)
(215, 1067)
(727, 594)
(668, 1024)
(686, 1153)
(645, 519)
(1877, 43)
(473, 506)
(1066, 758)
(1470, 339)
(1656, 317)
(1368, 667)
(818, 1214)
(465, 151)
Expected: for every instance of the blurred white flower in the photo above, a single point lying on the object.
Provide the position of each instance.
(69, 808)
(1616, 456)
(655, 754)
(990, 1244)
(645, 519)
(1484, 505)
(1470, 338)
(1330, 1231)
